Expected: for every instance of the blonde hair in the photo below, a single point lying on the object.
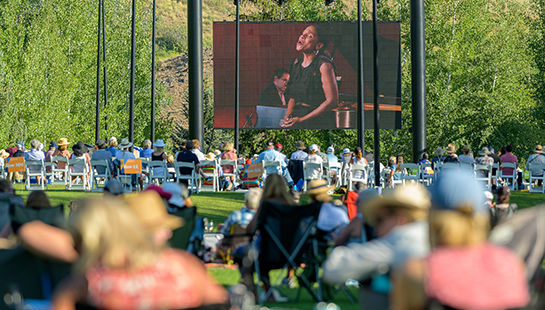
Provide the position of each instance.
(147, 144)
(196, 143)
(458, 227)
(108, 232)
(170, 158)
(276, 188)
(228, 147)
(113, 143)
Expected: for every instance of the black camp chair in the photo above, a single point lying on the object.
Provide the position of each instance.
(288, 239)
(21, 215)
(181, 236)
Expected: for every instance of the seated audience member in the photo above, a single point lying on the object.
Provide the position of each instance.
(536, 159)
(438, 155)
(188, 156)
(197, 149)
(121, 268)
(502, 209)
(331, 217)
(125, 154)
(451, 155)
(355, 230)
(392, 168)
(159, 155)
(18, 176)
(62, 148)
(113, 146)
(322, 155)
(488, 199)
(466, 157)
(37, 200)
(179, 196)
(50, 152)
(463, 270)
(508, 157)
(359, 159)
(244, 216)
(399, 219)
(81, 152)
(35, 154)
(147, 150)
(229, 154)
(102, 154)
(315, 159)
(270, 154)
(332, 160)
(300, 154)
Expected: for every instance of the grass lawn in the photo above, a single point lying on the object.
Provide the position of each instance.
(217, 206)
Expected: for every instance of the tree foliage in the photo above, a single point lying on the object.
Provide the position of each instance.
(48, 70)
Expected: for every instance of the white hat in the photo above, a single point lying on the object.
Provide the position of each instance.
(331, 149)
(113, 139)
(314, 148)
(159, 143)
(346, 151)
(176, 191)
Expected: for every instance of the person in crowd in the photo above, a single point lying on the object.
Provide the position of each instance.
(315, 159)
(451, 155)
(331, 218)
(438, 155)
(179, 196)
(20, 150)
(485, 159)
(503, 151)
(424, 160)
(229, 154)
(11, 150)
(463, 270)
(502, 209)
(312, 88)
(400, 222)
(113, 187)
(81, 152)
(35, 154)
(322, 155)
(358, 159)
(37, 200)
(300, 154)
(271, 155)
(396, 172)
(392, 168)
(497, 160)
(273, 94)
(189, 157)
(102, 154)
(147, 150)
(62, 149)
(124, 154)
(509, 157)
(159, 155)
(279, 148)
(488, 199)
(466, 157)
(244, 216)
(197, 149)
(332, 160)
(112, 148)
(536, 159)
(121, 268)
(50, 152)
(18, 176)
(355, 230)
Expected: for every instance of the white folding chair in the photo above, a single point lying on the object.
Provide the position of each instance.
(158, 171)
(145, 169)
(233, 174)
(96, 177)
(495, 173)
(125, 180)
(384, 174)
(411, 172)
(59, 170)
(507, 177)
(467, 167)
(35, 168)
(425, 178)
(534, 178)
(352, 175)
(192, 177)
(268, 165)
(308, 173)
(77, 168)
(329, 168)
(483, 173)
(2, 168)
(210, 170)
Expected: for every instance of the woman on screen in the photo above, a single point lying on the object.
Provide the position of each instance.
(312, 88)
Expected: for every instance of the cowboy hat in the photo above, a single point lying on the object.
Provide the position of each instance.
(63, 141)
(300, 145)
(484, 151)
(451, 149)
(412, 197)
(149, 208)
(125, 144)
(318, 189)
(538, 149)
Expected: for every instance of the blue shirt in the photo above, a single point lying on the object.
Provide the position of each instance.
(113, 150)
(332, 159)
(34, 154)
(101, 155)
(272, 155)
(243, 217)
(299, 155)
(146, 153)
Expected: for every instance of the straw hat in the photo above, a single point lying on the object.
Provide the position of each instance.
(318, 190)
(125, 144)
(484, 151)
(63, 141)
(451, 149)
(210, 156)
(300, 145)
(149, 208)
(4, 154)
(404, 197)
(539, 149)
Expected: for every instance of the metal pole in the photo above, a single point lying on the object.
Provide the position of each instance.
(361, 112)
(97, 116)
(194, 29)
(237, 75)
(133, 69)
(376, 111)
(152, 134)
(418, 75)
(104, 57)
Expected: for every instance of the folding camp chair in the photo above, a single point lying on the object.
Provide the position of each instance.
(20, 215)
(288, 238)
(181, 236)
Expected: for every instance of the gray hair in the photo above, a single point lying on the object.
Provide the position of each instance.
(253, 197)
(34, 143)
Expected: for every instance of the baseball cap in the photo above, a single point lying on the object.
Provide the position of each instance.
(346, 151)
(53, 144)
(113, 139)
(278, 145)
(159, 190)
(314, 148)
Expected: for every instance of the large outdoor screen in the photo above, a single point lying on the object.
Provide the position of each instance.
(303, 75)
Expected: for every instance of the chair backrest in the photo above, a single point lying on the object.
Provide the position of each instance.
(231, 163)
(411, 168)
(180, 236)
(157, 163)
(534, 167)
(289, 225)
(509, 165)
(21, 215)
(34, 165)
(358, 167)
(183, 164)
(77, 162)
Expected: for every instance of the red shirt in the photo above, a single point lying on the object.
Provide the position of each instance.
(508, 158)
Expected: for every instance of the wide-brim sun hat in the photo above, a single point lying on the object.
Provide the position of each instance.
(484, 151)
(451, 149)
(81, 147)
(410, 197)
(439, 151)
(151, 211)
(538, 149)
(125, 144)
(318, 189)
(159, 143)
(300, 145)
(63, 141)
